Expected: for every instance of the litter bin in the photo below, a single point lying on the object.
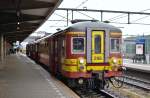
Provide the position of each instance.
(147, 58)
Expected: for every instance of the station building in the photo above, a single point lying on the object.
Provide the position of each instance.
(129, 46)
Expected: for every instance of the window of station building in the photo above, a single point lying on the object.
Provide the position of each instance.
(115, 44)
(78, 46)
(130, 48)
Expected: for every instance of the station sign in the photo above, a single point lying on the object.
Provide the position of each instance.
(139, 49)
(140, 40)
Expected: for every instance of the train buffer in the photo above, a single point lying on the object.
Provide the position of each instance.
(22, 78)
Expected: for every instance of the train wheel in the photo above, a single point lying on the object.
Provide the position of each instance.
(117, 81)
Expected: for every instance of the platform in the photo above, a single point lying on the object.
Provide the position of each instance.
(138, 66)
(22, 78)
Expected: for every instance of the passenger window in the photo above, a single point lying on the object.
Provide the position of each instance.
(63, 48)
(115, 45)
(78, 45)
(97, 42)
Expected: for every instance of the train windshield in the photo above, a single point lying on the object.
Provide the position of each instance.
(77, 45)
(97, 44)
(115, 44)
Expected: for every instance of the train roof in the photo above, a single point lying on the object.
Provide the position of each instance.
(82, 26)
(40, 39)
(43, 38)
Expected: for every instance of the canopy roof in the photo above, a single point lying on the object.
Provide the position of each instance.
(19, 18)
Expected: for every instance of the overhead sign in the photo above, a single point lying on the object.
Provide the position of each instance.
(140, 40)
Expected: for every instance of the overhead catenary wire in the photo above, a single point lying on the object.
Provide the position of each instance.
(110, 20)
(69, 13)
(87, 15)
(61, 16)
(140, 18)
(82, 3)
(114, 18)
(124, 15)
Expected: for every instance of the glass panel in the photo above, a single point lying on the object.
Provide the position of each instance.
(97, 44)
(130, 48)
(115, 47)
(78, 44)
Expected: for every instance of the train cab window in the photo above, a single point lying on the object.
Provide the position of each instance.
(78, 45)
(115, 44)
(97, 42)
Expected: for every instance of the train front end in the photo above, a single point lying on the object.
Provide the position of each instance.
(93, 53)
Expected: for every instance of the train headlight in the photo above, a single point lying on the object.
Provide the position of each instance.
(81, 64)
(80, 81)
(81, 61)
(114, 61)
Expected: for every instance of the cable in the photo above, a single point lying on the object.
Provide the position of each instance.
(69, 13)
(81, 4)
(61, 16)
(118, 17)
(140, 18)
(122, 16)
(86, 15)
(111, 19)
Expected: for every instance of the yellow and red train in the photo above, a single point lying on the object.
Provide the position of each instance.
(87, 52)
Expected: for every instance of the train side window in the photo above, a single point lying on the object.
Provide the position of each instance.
(78, 45)
(115, 44)
(63, 47)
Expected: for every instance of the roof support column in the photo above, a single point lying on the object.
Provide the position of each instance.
(6, 49)
(67, 18)
(2, 51)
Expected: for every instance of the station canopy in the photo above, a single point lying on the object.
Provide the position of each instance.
(19, 18)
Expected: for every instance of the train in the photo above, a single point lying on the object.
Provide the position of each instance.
(86, 53)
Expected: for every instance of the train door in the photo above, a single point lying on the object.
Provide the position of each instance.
(95, 47)
(52, 55)
(55, 55)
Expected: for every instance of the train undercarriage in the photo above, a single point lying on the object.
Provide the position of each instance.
(97, 81)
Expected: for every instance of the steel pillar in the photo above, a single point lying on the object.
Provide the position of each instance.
(5, 47)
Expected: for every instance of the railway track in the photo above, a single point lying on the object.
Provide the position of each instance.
(94, 93)
(137, 82)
